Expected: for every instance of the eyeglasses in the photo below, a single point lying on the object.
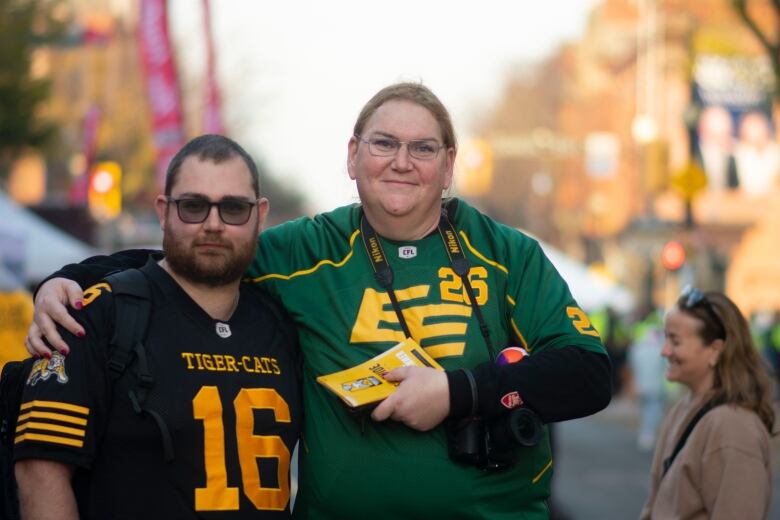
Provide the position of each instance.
(423, 149)
(691, 297)
(194, 210)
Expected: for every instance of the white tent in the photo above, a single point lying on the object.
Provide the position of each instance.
(591, 290)
(38, 246)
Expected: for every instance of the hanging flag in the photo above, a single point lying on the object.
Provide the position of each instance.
(78, 186)
(212, 117)
(161, 82)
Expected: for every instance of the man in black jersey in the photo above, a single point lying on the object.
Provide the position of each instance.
(224, 361)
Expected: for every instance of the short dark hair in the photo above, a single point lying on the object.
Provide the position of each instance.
(215, 148)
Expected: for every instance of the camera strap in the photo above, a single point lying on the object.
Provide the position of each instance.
(460, 265)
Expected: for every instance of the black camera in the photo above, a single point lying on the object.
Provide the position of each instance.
(493, 445)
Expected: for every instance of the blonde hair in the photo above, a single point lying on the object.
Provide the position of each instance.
(416, 93)
(740, 376)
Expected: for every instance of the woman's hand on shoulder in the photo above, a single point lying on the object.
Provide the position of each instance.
(50, 310)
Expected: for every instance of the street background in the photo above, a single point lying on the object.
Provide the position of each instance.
(601, 475)
(637, 140)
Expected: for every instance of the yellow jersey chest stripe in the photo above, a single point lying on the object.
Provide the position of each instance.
(313, 269)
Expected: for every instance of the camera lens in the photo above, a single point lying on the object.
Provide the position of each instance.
(524, 427)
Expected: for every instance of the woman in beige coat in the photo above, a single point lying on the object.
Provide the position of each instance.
(723, 468)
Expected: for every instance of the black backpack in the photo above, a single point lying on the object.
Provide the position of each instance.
(132, 301)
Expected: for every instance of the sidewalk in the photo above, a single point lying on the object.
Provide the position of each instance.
(600, 472)
(625, 411)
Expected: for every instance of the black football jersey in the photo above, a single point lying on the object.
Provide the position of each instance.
(227, 391)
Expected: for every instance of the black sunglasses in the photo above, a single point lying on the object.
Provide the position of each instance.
(194, 210)
(691, 297)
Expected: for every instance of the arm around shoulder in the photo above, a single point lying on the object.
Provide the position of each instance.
(45, 491)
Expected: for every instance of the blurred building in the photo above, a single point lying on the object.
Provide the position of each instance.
(658, 124)
(100, 104)
(98, 100)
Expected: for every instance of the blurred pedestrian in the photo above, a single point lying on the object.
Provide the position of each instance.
(771, 340)
(647, 367)
(713, 454)
(611, 327)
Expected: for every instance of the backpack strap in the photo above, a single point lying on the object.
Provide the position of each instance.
(133, 306)
(684, 437)
(12, 383)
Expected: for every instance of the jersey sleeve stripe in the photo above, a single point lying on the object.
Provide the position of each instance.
(55, 416)
(514, 326)
(481, 256)
(310, 270)
(50, 439)
(519, 335)
(541, 473)
(33, 425)
(54, 404)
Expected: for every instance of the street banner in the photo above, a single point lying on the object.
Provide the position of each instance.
(162, 83)
(79, 185)
(212, 117)
(734, 133)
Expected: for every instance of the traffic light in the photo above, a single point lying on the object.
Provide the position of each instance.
(104, 196)
(673, 255)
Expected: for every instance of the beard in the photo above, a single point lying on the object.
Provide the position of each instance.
(214, 269)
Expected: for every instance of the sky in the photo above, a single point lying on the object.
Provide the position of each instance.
(294, 74)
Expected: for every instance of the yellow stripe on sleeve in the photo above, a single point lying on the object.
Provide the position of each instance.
(48, 438)
(56, 405)
(54, 416)
(34, 425)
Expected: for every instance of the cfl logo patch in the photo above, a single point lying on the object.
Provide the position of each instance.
(407, 252)
(223, 330)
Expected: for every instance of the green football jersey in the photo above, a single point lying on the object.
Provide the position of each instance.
(353, 467)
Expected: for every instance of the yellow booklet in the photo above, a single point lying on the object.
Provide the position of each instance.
(365, 384)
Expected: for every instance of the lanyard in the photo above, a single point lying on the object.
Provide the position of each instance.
(460, 264)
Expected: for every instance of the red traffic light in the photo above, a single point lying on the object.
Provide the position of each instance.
(673, 255)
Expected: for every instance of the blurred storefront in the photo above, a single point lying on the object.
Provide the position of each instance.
(666, 112)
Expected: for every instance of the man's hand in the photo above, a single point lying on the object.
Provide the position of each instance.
(421, 401)
(50, 309)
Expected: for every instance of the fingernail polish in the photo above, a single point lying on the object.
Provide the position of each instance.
(78, 304)
(80, 334)
(47, 355)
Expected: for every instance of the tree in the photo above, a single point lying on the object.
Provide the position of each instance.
(769, 39)
(24, 24)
